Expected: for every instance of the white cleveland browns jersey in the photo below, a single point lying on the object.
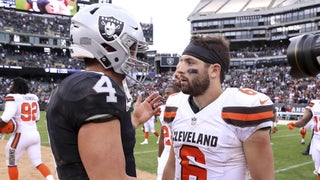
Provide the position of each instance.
(24, 109)
(315, 109)
(165, 128)
(168, 112)
(208, 144)
(315, 141)
(312, 122)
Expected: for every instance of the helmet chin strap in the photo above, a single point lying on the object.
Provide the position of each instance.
(128, 95)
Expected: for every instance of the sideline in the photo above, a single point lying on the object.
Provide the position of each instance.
(292, 167)
(145, 152)
(288, 135)
(284, 122)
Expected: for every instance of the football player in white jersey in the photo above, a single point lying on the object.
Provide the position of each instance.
(149, 126)
(308, 126)
(218, 134)
(311, 114)
(171, 97)
(23, 108)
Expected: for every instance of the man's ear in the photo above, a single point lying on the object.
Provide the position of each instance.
(214, 70)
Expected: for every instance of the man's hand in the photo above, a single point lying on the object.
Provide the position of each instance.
(303, 131)
(143, 111)
(291, 125)
(274, 130)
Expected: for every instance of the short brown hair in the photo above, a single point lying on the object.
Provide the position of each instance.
(217, 43)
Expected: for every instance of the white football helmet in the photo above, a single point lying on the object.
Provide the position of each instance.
(111, 35)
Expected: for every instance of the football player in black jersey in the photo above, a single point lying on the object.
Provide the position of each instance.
(92, 134)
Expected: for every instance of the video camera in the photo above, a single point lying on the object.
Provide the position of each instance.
(303, 55)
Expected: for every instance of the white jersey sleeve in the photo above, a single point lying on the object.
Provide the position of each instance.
(167, 115)
(11, 107)
(249, 109)
(172, 104)
(311, 123)
(161, 114)
(315, 109)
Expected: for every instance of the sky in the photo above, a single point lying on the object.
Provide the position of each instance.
(171, 29)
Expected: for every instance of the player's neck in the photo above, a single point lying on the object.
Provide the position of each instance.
(208, 97)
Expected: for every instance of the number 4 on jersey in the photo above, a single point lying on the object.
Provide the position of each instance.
(104, 85)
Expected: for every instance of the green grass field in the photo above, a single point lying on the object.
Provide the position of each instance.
(289, 162)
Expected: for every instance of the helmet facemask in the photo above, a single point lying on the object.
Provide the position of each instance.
(133, 68)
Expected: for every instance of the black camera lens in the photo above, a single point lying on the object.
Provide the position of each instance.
(303, 55)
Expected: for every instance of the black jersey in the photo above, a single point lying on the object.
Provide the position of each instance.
(77, 100)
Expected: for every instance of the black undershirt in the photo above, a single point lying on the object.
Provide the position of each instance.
(193, 105)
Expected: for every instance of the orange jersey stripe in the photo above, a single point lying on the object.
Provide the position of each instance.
(158, 113)
(169, 116)
(248, 116)
(169, 113)
(15, 142)
(9, 98)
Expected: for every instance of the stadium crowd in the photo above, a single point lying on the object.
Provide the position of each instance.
(256, 52)
(273, 81)
(29, 22)
(58, 25)
(37, 59)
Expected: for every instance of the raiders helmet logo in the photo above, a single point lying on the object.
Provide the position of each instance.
(170, 60)
(110, 26)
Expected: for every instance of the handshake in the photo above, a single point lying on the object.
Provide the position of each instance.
(291, 125)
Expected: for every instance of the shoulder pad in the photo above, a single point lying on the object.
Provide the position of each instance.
(247, 107)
